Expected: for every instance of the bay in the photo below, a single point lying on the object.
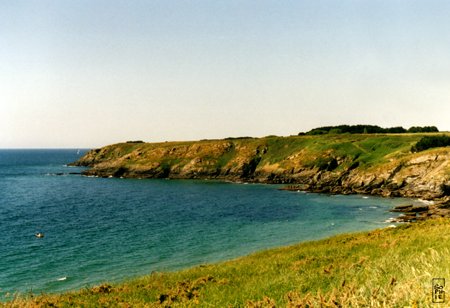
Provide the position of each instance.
(99, 230)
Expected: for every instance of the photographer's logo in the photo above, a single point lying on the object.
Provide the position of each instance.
(438, 293)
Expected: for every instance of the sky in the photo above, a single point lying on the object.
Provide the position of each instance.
(87, 73)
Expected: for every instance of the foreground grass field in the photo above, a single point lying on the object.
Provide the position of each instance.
(392, 267)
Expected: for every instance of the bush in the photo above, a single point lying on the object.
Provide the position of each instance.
(238, 138)
(429, 142)
(425, 129)
(396, 130)
(354, 129)
(369, 129)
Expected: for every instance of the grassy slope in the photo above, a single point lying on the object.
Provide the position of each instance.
(367, 150)
(386, 268)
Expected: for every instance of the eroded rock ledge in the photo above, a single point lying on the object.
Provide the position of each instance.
(412, 213)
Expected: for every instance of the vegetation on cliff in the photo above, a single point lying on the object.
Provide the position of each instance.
(369, 129)
(429, 142)
(392, 267)
(381, 164)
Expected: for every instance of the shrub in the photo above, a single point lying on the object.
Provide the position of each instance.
(424, 129)
(354, 129)
(396, 130)
(369, 129)
(429, 142)
(238, 138)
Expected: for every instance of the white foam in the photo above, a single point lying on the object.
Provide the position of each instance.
(365, 197)
(62, 278)
(428, 202)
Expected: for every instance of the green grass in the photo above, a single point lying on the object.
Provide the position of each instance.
(392, 267)
(225, 158)
(368, 151)
(369, 148)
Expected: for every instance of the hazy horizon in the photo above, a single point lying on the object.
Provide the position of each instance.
(83, 74)
(74, 147)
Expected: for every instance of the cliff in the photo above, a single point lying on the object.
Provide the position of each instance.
(381, 164)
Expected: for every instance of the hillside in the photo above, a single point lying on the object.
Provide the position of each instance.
(379, 164)
(392, 267)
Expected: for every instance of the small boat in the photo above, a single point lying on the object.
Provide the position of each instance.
(39, 235)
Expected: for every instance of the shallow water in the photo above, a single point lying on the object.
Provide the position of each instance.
(110, 229)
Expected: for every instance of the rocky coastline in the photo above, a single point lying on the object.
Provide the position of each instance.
(294, 162)
(412, 213)
(425, 209)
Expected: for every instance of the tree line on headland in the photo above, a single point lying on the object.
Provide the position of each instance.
(369, 129)
(425, 143)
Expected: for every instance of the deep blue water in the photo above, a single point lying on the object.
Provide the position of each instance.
(100, 230)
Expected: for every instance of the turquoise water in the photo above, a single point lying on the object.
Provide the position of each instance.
(111, 229)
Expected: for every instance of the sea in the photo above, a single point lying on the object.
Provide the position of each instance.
(100, 230)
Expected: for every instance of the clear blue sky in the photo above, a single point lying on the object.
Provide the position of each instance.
(90, 73)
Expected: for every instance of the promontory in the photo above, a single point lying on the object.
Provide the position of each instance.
(377, 164)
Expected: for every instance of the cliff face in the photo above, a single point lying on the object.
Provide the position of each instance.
(369, 164)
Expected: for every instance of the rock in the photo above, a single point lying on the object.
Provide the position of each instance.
(402, 208)
(419, 208)
(406, 218)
